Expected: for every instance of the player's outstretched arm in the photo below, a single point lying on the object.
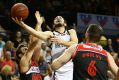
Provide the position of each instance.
(39, 34)
(64, 58)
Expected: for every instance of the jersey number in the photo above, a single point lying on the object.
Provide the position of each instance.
(92, 69)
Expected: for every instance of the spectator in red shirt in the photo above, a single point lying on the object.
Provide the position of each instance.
(7, 66)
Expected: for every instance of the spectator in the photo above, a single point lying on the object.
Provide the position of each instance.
(24, 41)
(109, 45)
(118, 44)
(49, 56)
(8, 67)
(2, 44)
(110, 49)
(18, 39)
(9, 46)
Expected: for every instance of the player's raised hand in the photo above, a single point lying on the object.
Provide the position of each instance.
(19, 22)
(39, 18)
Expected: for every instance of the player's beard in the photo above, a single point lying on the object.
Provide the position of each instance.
(58, 25)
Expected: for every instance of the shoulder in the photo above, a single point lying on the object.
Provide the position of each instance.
(72, 30)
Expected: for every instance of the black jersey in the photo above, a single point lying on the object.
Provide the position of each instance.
(90, 63)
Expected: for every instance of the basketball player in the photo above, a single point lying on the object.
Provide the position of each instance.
(30, 62)
(22, 48)
(29, 66)
(61, 39)
(90, 60)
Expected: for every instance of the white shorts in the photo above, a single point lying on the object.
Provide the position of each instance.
(64, 73)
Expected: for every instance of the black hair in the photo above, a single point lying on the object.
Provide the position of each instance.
(18, 51)
(95, 32)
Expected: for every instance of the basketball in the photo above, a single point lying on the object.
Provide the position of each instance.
(19, 10)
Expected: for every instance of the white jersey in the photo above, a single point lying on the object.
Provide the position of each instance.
(66, 71)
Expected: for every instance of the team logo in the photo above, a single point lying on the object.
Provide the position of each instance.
(115, 21)
(85, 18)
(102, 20)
